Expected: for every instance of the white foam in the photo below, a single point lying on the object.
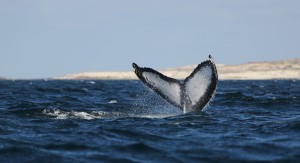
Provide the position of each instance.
(62, 116)
(58, 114)
(83, 115)
(92, 82)
(157, 116)
(54, 112)
(113, 102)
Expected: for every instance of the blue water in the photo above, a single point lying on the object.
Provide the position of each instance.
(123, 121)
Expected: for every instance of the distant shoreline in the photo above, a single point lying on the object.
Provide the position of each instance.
(272, 70)
(283, 69)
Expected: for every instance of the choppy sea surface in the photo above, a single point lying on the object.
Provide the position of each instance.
(123, 121)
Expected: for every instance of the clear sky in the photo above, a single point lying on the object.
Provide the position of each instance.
(51, 38)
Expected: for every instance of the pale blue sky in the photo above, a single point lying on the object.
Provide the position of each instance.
(40, 38)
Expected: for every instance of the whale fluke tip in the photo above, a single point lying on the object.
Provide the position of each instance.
(134, 65)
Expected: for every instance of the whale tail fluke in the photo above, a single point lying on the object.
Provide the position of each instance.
(190, 95)
(168, 88)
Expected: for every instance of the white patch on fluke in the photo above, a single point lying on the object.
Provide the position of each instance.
(171, 90)
(198, 84)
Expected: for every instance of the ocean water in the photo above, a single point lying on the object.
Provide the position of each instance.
(123, 121)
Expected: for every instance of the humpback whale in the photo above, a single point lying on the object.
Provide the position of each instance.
(191, 94)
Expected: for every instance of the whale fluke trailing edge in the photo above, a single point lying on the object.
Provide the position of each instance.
(192, 94)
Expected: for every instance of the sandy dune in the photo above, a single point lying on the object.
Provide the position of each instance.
(283, 69)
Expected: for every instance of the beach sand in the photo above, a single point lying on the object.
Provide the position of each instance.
(283, 69)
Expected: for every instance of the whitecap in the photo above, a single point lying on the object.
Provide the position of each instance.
(83, 115)
(113, 102)
(92, 82)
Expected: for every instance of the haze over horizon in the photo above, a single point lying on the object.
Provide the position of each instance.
(41, 39)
